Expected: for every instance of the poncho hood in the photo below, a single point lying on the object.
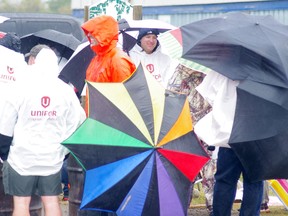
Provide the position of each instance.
(105, 29)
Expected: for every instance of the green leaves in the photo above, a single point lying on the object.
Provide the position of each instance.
(121, 8)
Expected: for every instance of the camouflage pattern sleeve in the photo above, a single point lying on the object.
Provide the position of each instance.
(185, 80)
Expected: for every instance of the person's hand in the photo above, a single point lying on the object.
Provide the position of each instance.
(211, 148)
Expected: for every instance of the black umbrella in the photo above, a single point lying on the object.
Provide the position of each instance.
(74, 70)
(253, 50)
(65, 44)
(259, 134)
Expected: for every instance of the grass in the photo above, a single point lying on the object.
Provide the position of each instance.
(199, 201)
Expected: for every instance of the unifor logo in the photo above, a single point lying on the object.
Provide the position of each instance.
(45, 101)
(150, 68)
(10, 70)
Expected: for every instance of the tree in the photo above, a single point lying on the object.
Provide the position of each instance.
(59, 6)
(31, 6)
(6, 6)
(37, 6)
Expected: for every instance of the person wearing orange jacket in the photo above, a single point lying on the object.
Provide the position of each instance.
(110, 64)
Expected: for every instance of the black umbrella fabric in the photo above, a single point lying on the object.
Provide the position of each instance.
(259, 134)
(65, 44)
(138, 148)
(239, 46)
(254, 51)
(74, 71)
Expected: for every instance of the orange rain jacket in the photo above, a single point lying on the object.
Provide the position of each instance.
(110, 63)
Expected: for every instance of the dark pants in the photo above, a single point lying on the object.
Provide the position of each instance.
(64, 179)
(229, 169)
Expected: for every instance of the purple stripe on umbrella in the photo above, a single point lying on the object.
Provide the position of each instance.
(169, 201)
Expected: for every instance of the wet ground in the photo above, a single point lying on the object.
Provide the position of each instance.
(199, 210)
(193, 211)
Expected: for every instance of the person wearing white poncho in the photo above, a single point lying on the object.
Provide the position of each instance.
(12, 67)
(215, 129)
(40, 112)
(148, 52)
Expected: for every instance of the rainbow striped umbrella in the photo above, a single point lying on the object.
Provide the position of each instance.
(138, 148)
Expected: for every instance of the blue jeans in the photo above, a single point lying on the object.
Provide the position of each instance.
(229, 169)
(64, 179)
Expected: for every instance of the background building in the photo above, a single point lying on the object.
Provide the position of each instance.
(180, 12)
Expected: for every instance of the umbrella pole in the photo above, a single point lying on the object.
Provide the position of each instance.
(137, 9)
(86, 13)
(137, 12)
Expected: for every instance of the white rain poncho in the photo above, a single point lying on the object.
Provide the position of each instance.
(160, 65)
(220, 92)
(12, 65)
(40, 113)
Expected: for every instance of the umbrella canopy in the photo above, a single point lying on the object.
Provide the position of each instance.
(252, 50)
(136, 25)
(267, 156)
(239, 46)
(65, 44)
(129, 30)
(138, 148)
(74, 71)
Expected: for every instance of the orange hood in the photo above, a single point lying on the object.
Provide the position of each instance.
(105, 29)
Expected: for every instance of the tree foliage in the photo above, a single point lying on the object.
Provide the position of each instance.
(60, 6)
(37, 6)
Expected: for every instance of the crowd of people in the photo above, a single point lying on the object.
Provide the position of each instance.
(39, 111)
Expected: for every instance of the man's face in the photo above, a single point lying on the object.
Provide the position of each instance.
(148, 43)
(92, 39)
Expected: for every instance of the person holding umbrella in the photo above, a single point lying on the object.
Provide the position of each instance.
(110, 63)
(220, 92)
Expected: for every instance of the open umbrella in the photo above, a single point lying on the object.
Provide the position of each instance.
(138, 148)
(74, 71)
(259, 136)
(253, 50)
(65, 44)
(224, 45)
(129, 30)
